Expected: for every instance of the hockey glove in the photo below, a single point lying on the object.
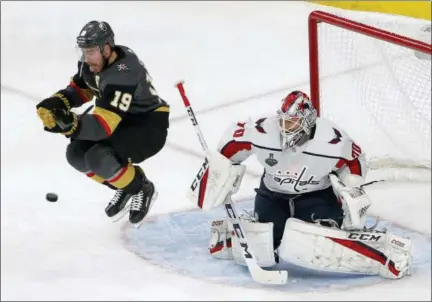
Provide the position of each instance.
(217, 179)
(46, 107)
(66, 122)
(355, 203)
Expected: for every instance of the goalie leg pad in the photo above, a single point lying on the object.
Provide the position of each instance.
(260, 240)
(224, 244)
(330, 249)
(399, 257)
(220, 240)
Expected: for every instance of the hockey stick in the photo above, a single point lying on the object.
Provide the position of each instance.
(87, 110)
(258, 274)
(63, 126)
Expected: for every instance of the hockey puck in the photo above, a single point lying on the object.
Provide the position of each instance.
(51, 197)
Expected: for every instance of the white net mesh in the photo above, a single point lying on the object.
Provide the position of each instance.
(380, 93)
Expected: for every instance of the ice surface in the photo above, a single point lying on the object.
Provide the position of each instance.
(226, 52)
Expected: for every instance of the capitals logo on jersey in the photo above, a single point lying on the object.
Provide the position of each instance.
(296, 179)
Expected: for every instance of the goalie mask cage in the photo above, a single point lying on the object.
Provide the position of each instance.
(376, 85)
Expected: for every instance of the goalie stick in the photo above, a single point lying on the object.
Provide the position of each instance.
(258, 274)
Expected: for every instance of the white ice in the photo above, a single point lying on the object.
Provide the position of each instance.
(226, 52)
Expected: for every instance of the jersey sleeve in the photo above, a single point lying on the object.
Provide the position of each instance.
(117, 94)
(77, 92)
(353, 159)
(236, 142)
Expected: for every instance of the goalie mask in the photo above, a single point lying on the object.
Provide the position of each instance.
(297, 117)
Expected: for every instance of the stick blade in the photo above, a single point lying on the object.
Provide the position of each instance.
(270, 277)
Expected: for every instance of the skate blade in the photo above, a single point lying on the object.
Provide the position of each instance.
(122, 213)
(138, 224)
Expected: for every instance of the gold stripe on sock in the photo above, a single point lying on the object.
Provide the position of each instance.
(95, 177)
(124, 177)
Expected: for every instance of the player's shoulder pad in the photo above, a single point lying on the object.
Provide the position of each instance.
(331, 140)
(125, 71)
(237, 131)
(251, 130)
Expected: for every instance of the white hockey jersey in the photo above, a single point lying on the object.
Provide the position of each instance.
(297, 170)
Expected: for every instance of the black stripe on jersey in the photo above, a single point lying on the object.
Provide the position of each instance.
(266, 148)
(321, 155)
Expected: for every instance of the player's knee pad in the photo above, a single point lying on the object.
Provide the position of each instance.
(101, 160)
(334, 250)
(224, 244)
(75, 157)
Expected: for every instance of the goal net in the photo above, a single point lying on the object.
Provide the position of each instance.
(372, 76)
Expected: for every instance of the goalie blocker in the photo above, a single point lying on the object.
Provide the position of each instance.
(216, 179)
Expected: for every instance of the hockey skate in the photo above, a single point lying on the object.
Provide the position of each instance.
(119, 205)
(142, 203)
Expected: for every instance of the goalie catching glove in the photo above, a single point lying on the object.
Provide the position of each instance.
(217, 178)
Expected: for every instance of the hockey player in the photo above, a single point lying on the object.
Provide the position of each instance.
(310, 207)
(128, 124)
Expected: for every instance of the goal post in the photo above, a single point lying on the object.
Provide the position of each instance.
(373, 79)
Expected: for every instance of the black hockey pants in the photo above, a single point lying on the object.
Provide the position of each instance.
(277, 208)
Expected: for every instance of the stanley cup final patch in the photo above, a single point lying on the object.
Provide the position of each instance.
(270, 160)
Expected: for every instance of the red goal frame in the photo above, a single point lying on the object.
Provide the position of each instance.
(317, 17)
